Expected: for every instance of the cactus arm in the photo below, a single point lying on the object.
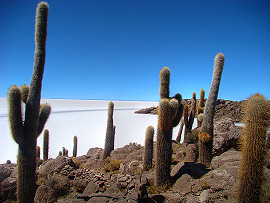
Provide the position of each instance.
(179, 113)
(44, 114)
(24, 92)
(15, 114)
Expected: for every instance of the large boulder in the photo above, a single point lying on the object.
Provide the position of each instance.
(94, 153)
(54, 166)
(45, 194)
(8, 184)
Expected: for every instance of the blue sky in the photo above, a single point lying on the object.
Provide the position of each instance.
(114, 49)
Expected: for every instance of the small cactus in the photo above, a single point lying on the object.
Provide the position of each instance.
(189, 119)
(75, 145)
(253, 148)
(60, 153)
(38, 153)
(205, 148)
(25, 132)
(169, 115)
(64, 151)
(110, 133)
(178, 138)
(200, 108)
(148, 148)
(45, 145)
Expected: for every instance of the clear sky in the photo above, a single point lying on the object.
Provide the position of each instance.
(114, 49)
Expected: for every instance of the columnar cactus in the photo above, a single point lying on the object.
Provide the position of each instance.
(169, 115)
(64, 151)
(253, 148)
(110, 133)
(200, 108)
(45, 145)
(206, 133)
(178, 138)
(148, 148)
(189, 119)
(25, 132)
(38, 153)
(75, 145)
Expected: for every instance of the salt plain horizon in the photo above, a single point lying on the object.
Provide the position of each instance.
(87, 119)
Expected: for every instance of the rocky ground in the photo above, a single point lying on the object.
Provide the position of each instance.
(120, 177)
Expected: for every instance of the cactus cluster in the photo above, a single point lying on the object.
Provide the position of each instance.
(169, 115)
(110, 133)
(148, 148)
(189, 119)
(206, 133)
(253, 148)
(25, 132)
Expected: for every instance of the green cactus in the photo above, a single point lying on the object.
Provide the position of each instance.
(45, 145)
(110, 133)
(148, 148)
(75, 145)
(200, 108)
(169, 115)
(254, 149)
(25, 132)
(206, 133)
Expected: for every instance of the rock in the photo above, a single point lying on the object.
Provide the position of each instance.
(92, 164)
(45, 194)
(191, 153)
(123, 152)
(8, 189)
(98, 200)
(186, 184)
(90, 188)
(54, 166)
(95, 153)
(132, 163)
(6, 170)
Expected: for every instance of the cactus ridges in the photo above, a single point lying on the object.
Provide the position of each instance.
(164, 82)
(24, 92)
(75, 145)
(169, 115)
(178, 138)
(253, 148)
(45, 145)
(205, 155)
(148, 148)
(38, 152)
(110, 133)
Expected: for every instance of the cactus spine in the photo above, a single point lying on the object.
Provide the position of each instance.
(110, 133)
(75, 145)
(189, 119)
(254, 150)
(169, 115)
(206, 133)
(26, 133)
(200, 108)
(45, 145)
(148, 148)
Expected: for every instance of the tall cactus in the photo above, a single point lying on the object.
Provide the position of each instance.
(169, 115)
(206, 133)
(25, 132)
(110, 133)
(178, 138)
(148, 148)
(200, 108)
(253, 148)
(189, 119)
(45, 145)
(75, 145)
